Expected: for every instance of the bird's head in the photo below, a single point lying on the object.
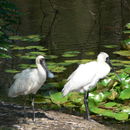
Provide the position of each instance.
(104, 57)
(41, 61)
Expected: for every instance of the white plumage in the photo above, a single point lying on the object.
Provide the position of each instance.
(29, 81)
(85, 77)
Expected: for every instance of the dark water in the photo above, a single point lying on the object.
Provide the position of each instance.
(81, 25)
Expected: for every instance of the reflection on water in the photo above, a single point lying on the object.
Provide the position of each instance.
(79, 25)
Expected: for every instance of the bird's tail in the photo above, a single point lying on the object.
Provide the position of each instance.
(11, 92)
(66, 89)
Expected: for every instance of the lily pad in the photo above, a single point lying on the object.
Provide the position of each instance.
(126, 32)
(110, 46)
(127, 70)
(110, 104)
(107, 113)
(90, 53)
(126, 109)
(11, 71)
(113, 95)
(121, 116)
(29, 38)
(24, 66)
(70, 53)
(56, 68)
(125, 94)
(4, 56)
(35, 53)
(51, 57)
(17, 48)
(28, 57)
(41, 48)
(127, 25)
(17, 37)
(123, 53)
(125, 61)
(58, 98)
(99, 97)
(71, 61)
(76, 98)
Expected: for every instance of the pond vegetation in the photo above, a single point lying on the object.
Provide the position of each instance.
(109, 99)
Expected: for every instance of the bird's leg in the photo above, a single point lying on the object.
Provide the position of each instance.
(86, 94)
(25, 114)
(33, 109)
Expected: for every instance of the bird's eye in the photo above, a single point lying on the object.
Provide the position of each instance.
(107, 59)
(42, 59)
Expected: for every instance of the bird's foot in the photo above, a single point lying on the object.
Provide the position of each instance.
(28, 121)
(34, 121)
(89, 119)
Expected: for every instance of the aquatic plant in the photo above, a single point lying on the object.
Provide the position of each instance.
(125, 44)
(9, 15)
(109, 99)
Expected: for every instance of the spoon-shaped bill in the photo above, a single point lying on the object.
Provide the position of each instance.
(109, 62)
(50, 74)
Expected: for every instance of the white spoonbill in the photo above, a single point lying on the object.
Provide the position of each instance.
(29, 81)
(85, 77)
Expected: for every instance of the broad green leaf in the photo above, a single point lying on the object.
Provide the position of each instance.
(51, 57)
(76, 98)
(122, 53)
(127, 25)
(35, 53)
(17, 48)
(126, 109)
(4, 56)
(90, 53)
(99, 97)
(125, 94)
(126, 31)
(28, 57)
(113, 95)
(15, 37)
(127, 41)
(56, 68)
(127, 70)
(69, 105)
(110, 104)
(24, 66)
(108, 113)
(70, 53)
(121, 116)
(11, 71)
(111, 46)
(58, 98)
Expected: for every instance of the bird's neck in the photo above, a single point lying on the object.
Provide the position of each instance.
(100, 60)
(41, 69)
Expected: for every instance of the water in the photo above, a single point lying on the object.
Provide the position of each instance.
(79, 25)
(84, 26)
